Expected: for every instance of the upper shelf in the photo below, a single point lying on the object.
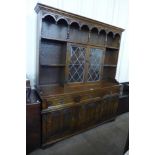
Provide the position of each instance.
(50, 19)
(54, 65)
(112, 47)
(59, 29)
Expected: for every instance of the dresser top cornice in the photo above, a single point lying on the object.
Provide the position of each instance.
(71, 17)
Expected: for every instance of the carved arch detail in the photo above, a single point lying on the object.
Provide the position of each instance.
(75, 23)
(110, 33)
(50, 16)
(85, 25)
(62, 19)
(94, 28)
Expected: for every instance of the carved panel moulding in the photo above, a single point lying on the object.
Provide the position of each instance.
(69, 21)
(101, 29)
(113, 32)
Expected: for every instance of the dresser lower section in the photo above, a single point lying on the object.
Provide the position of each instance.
(59, 122)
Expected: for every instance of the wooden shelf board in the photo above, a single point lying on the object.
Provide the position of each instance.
(52, 39)
(112, 47)
(53, 65)
(106, 65)
(69, 41)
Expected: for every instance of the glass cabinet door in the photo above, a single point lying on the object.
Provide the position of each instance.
(96, 58)
(77, 61)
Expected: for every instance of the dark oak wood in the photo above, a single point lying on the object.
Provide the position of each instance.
(111, 57)
(33, 122)
(28, 91)
(123, 105)
(76, 66)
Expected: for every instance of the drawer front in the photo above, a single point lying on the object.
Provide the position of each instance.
(78, 97)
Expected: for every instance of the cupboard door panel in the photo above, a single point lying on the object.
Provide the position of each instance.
(114, 101)
(104, 108)
(54, 123)
(98, 111)
(67, 117)
(95, 63)
(58, 123)
(91, 113)
(110, 104)
(76, 63)
(88, 114)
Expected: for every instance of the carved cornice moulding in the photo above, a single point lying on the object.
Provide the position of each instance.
(70, 18)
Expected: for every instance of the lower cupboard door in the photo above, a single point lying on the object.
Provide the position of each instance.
(68, 120)
(58, 124)
(97, 111)
(87, 115)
(104, 109)
(114, 101)
(91, 113)
(109, 107)
(54, 124)
(51, 126)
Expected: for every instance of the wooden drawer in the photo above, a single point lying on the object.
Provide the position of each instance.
(78, 97)
(57, 100)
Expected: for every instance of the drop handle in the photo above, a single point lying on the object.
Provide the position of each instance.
(77, 98)
(61, 101)
(49, 103)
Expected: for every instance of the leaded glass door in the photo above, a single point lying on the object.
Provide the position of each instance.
(96, 58)
(76, 65)
(84, 63)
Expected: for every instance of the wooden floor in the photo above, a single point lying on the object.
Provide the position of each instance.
(107, 139)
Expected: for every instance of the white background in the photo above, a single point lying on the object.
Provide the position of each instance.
(13, 15)
(114, 12)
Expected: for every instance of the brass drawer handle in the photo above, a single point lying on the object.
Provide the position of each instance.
(61, 101)
(49, 103)
(90, 96)
(77, 99)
